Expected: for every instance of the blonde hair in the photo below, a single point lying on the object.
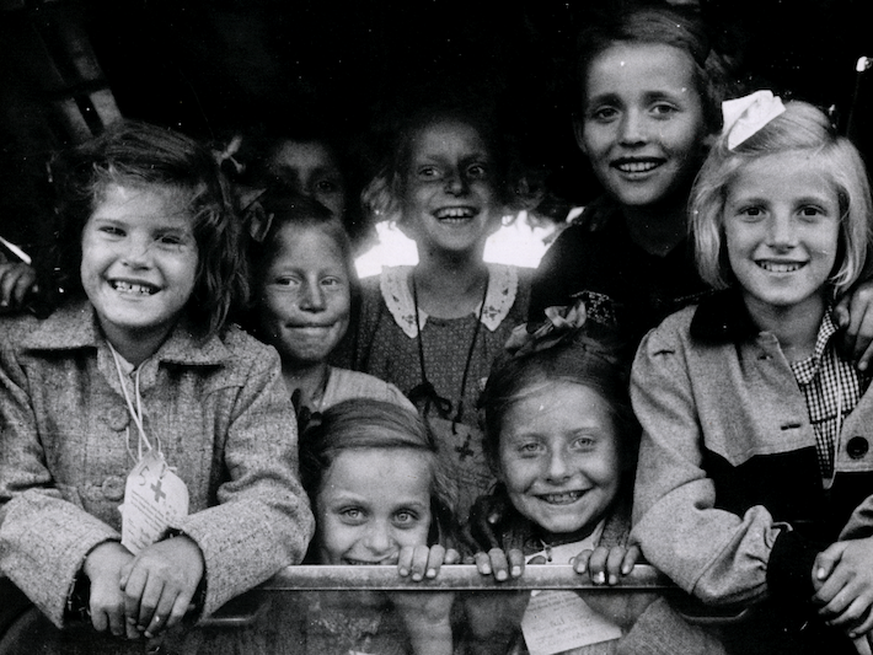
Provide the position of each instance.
(804, 129)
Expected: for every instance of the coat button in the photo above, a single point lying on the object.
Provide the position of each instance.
(857, 447)
(117, 419)
(113, 488)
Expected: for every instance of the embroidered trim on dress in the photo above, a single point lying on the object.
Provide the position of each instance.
(502, 289)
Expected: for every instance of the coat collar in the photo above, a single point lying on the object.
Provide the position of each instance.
(74, 326)
(722, 318)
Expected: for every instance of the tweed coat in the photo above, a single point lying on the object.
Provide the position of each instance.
(729, 500)
(224, 421)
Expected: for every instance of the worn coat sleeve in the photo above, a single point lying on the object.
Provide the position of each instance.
(44, 535)
(262, 521)
(717, 556)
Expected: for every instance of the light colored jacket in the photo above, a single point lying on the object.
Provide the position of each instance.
(224, 421)
(727, 480)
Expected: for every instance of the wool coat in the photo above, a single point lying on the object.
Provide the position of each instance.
(218, 410)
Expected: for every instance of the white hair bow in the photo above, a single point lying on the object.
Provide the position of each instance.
(744, 116)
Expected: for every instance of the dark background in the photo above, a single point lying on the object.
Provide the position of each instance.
(211, 68)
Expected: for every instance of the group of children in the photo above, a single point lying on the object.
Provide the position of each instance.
(149, 446)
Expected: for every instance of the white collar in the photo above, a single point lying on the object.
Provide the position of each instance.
(499, 298)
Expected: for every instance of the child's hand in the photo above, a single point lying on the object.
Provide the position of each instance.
(606, 565)
(843, 580)
(854, 313)
(16, 281)
(502, 565)
(103, 566)
(160, 583)
(421, 562)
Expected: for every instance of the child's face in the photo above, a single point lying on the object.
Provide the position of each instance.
(559, 457)
(371, 504)
(781, 221)
(449, 199)
(139, 262)
(305, 295)
(643, 124)
(311, 170)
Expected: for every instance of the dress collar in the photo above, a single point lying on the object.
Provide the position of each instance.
(499, 298)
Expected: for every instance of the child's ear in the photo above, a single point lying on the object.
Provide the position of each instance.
(579, 133)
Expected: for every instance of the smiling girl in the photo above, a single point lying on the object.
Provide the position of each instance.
(137, 391)
(648, 83)
(433, 329)
(304, 286)
(756, 430)
(380, 498)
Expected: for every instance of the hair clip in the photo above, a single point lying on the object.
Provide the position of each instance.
(745, 116)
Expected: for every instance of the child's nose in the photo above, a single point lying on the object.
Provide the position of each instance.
(312, 298)
(137, 251)
(559, 469)
(456, 183)
(378, 539)
(781, 230)
(632, 128)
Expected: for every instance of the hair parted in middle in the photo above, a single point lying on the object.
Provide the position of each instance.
(807, 131)
(367, 424)
(591, 355)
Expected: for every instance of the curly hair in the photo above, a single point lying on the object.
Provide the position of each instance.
(802, 128)
(140, 155)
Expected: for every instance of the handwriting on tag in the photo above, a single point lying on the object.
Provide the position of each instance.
(155, 499)
(557, 621)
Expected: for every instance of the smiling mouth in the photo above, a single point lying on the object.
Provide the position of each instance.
(780, 267)
(636, 166)
(450, 214)
(566, 498)
(139, 289)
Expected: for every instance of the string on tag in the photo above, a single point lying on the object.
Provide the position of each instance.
(136, 413)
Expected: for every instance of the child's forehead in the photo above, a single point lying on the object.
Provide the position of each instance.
(130, 195)
(405, 470)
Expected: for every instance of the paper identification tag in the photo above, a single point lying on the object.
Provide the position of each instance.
(557, 621)
(155, 499)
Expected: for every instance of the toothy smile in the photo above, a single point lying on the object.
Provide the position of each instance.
(140, 289)
(779, 267)
(561, 499)
(455, 213)
(631, 166)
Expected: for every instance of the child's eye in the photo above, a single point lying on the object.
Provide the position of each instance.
(170, 240)
(326, 186)
(352, 514)
(603, 114)
(286, 281)
(529, 449)
(812, 211)
(405, 517)
(477, 172)
(331, 282)
(751, 212)
(584, 443)
(664, 110)
(428, 172)
(111, 230)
